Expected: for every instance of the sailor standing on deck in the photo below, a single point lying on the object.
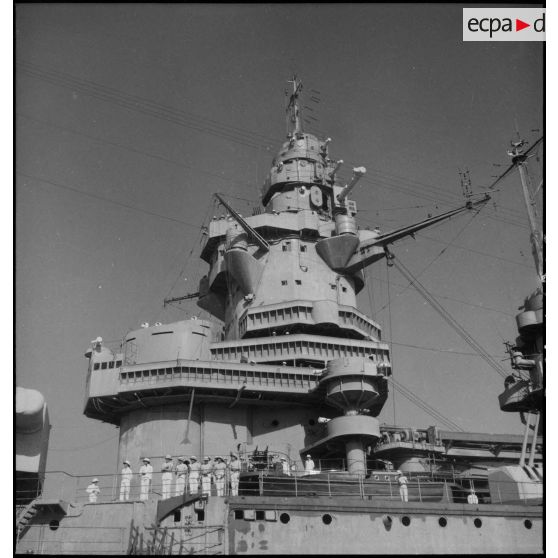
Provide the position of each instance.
(219, 471)
(181, 475)
(194, 475)
(234, 468)
(285, 466)
(403, 490)
(146, 473)
(308, 464)
(93, 490)
(166, 477)
(472, 498)
(206, 470)
(125, 481)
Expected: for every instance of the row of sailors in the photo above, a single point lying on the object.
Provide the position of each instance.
(187, 472)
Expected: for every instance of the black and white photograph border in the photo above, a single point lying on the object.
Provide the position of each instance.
(128, 118)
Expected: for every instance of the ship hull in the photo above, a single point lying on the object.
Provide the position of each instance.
(286, 525)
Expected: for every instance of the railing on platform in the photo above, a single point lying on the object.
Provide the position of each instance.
(271, 481)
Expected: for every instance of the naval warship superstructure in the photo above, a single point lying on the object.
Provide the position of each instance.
(289, 367)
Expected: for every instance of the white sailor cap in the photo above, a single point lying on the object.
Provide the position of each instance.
(182, 459)
(308, 455)
(95, 480)
(282, 459)
(126, 462)
(194, 457)
(218, 457)
(146, 459)
(206, 458)
(168, 456)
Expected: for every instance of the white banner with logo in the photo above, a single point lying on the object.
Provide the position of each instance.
(504, 24)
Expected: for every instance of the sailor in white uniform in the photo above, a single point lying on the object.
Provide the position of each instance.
(219, 472)
(125, 481)
(285, 466)
(403, 489)
(146, 473)
(308, 464)
(93, 490)
(234, 468)
(166, 477)
(194, 475)
(472, 498)
(206, 471)
(181, 476)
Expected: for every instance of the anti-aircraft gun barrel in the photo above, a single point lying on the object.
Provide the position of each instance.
(358, 172)
(336, 169)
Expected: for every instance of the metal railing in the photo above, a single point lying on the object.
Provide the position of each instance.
(215, 373)
(269, 478)
(381, 486)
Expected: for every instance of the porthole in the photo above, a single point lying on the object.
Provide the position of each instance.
(406, 520)
(478, 523)
(442, 521)
(528, 524)
(54, 524)
(386, 477)
(327, 519)
(376, 477)
(284, 518)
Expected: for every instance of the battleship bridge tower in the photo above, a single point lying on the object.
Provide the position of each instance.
(292, 347)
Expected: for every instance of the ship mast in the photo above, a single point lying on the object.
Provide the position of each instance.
(519, 159)
(524, 392)
(293, 113)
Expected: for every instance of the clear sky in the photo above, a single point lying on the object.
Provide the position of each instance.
(129, 117)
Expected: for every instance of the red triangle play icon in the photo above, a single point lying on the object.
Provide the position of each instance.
(519, 25)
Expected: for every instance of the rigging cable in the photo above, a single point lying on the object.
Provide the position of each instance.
(438, 296)
(390, 333)
(170, 114)
(421, 289)
(423, 405)
(210, 206)
(128, 148)
(108, 200)
(447, 245)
